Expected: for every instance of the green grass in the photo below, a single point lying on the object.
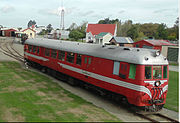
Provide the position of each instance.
(172, 100)
(29, 96)
(174, 64)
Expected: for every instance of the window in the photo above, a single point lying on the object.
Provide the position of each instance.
(89, 61)
(116, 68)
(132, 71)
(37, 50)
(26, 47)
(78, 59)
(86, 60)
(70, 57)
(157, 72)
(137, 45)
(30, 48)
(34, 49)
(165, 72)
(53, 54)
(61, 55)
(148, 72)
(47, 52)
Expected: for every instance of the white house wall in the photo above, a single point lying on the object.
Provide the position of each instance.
(107, 38)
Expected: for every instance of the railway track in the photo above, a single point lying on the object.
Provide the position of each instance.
(157, 118)
(7, 49)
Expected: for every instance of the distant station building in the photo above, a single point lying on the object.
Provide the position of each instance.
(96, 29)
(103, 38)
(8, 32)
(169, 50)
(153, 44)
(122, 41)
(29, 32)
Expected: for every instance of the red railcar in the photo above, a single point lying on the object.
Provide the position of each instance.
(139, 75)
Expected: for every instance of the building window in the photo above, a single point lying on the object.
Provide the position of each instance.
(70, 57)
(132, 71)
(34, 49)
(47, 52)
(165, 72)
(61, 55)
(78, 59)
(53, 54)
(116, 68)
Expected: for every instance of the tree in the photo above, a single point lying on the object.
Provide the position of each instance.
(108, 21)
(176, 28)
(30, 23)
(49, 28)
(161, 32)
(75, 34)
(72, 27)
(123, 28)
(149, 29)
(133, 32)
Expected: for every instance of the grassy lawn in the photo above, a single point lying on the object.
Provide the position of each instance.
(172, 100)
(174, 64)
(30, 96)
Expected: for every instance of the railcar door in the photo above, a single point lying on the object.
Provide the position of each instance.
(87, 65)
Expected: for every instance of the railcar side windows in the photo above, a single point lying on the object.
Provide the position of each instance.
(37, 50)
(89, 61)
(165, 72)
(78, 59)
(148, 72)
(47, 52)
(34, 49)
(116, 68)
(86, 60)
(53, 54)
(30, 48)
(70, 57)
(132, 71)
(157, 72)
(61, 55)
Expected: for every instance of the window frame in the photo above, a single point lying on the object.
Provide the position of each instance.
(79, 59)
(70, 57)
(53, 53)
(61, 55)
(150, 72)
(116, 68)
(45, 51)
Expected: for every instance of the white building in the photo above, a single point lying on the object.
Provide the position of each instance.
(103, 38)
(95, 29)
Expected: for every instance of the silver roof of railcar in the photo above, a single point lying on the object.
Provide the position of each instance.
(131, 55)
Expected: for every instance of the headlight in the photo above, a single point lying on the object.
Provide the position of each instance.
(157, 53)
(157, 83)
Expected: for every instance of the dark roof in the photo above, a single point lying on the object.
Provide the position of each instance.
(116, 53)
(157, 42)
(123, 40)
(95, 29)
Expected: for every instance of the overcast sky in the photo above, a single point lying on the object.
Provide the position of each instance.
(17, 13)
